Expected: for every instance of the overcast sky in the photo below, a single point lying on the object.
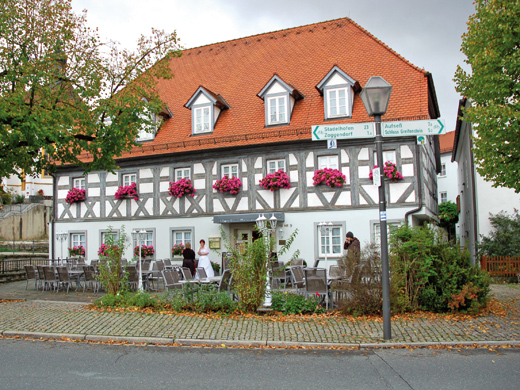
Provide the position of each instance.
(425, 32)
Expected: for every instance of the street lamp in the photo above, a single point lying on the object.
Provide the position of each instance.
(325, 229)
(139, 236)
(375, 97)
(61, 236)
(261, 223)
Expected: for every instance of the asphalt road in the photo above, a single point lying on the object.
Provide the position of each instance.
(30, 364)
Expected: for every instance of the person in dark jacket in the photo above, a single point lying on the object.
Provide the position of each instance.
(189, 258)
(353, 248)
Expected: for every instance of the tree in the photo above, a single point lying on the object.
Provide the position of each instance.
(503, 239)
(492, 47)
(64, 92)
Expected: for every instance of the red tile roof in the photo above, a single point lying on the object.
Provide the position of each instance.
(446, 142)
(302, 57)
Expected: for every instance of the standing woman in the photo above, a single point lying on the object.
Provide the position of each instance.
(188, 261)
(204, 259)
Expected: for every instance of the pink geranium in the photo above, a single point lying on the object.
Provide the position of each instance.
(181, 187)
(330, 177)
(228, 184)
(275, 181)
(75, 195)
(129, 191)
(389, 170)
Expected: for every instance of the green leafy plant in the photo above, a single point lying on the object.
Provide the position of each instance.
(290, 303)
(448, 215)
(503, 240)
(249, 268)
(111, 275)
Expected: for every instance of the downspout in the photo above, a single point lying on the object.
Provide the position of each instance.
(419, 185)
(54, 211)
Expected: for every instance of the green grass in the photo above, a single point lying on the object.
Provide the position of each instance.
(9, 250)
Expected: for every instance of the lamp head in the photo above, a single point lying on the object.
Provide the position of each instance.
(376, 95)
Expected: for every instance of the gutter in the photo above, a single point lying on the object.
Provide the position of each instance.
(54, 211)
(419, 184)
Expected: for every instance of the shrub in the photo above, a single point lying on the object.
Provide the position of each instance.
(226, 184)
(503, 238)
(433, 275)
(75, 195)
(181, 187)
(363, 294)
(275, 181)
(127, 299)
(111, 276)
(129, 191)
(290, 303)
(330, 177)
(205, 300)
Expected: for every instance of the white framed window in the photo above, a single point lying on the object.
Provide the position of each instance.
(105, 235)
(79, 183)
(331, 162)
(182, 237)
(129, 178)
(331, 243)
(202, 119)
(229, 170)
(443, 169)
(444, 197)
(388, 155)
(376, 230)
(275, 165)
(77, 239)
(182, 173)
(277, 109)
(337, 102)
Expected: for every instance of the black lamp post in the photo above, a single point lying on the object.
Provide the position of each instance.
(375, 97)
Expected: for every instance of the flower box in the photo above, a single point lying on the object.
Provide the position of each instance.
(389, 170)
(330, 177)
(77, 251)
(177, 249)
(228, 184)
(75, 195)
(146, 251)
(275, 181)
(126, 192)
(181, 187)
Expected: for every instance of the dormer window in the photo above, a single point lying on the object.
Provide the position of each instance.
(279, 98)
(206, 108)
(337, 89)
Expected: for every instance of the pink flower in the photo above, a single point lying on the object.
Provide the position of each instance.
(129, 191)
(275, 181)
(226, 184)
(389, 170)
(181, 187)
(75, 195)
(330, 177)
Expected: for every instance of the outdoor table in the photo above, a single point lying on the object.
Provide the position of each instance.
(76, 275)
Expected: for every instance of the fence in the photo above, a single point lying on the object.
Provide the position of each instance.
(501, 265)
(12, 266)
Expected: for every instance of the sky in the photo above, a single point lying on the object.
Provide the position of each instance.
(425, 32)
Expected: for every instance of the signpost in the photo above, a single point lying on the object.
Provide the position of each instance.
(388, 129)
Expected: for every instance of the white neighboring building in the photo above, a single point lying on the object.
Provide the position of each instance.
(447, 179)
(29, 186)
(477, 198)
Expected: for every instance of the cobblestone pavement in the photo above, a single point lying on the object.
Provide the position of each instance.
(42, 318)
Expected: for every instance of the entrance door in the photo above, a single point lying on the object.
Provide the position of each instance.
(243, 237)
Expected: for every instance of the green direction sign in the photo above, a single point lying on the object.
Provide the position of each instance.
(343, 131)
(413, 128)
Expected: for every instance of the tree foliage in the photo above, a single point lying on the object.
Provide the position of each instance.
(504, 239)
(448, 215)
(65, 92)
(492, 47)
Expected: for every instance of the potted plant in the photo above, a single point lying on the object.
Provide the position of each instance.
(389, 170)
(177, 249)
(75, 195)
(275, 181)
(146, 251)
(77, 251)
(330, 177)
(216, 268)
(181, 187)
(125, 192)
(228, 184)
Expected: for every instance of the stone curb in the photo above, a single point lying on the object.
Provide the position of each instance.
(253, 343)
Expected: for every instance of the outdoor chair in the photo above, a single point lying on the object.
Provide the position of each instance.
(31, 274)
(154, 276)
(187, 276)
(278, 273)
(298, 279)
(133, 277)
(316, 283)
(94, 263)
(41, 276)
(167, 264)
(297, 262)
(316, 262)
(226, 283)
(90, 278)
(63, 278)
(50, 278)
(201, 275)
(171, 280)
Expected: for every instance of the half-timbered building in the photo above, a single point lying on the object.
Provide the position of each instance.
(245, 108)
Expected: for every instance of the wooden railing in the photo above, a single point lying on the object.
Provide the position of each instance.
(501, 265)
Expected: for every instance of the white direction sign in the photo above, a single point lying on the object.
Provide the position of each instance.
(413, 128)
(343, 131)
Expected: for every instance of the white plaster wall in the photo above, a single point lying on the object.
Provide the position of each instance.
(448, 183)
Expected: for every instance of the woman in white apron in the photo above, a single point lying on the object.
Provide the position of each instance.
(204, 259)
